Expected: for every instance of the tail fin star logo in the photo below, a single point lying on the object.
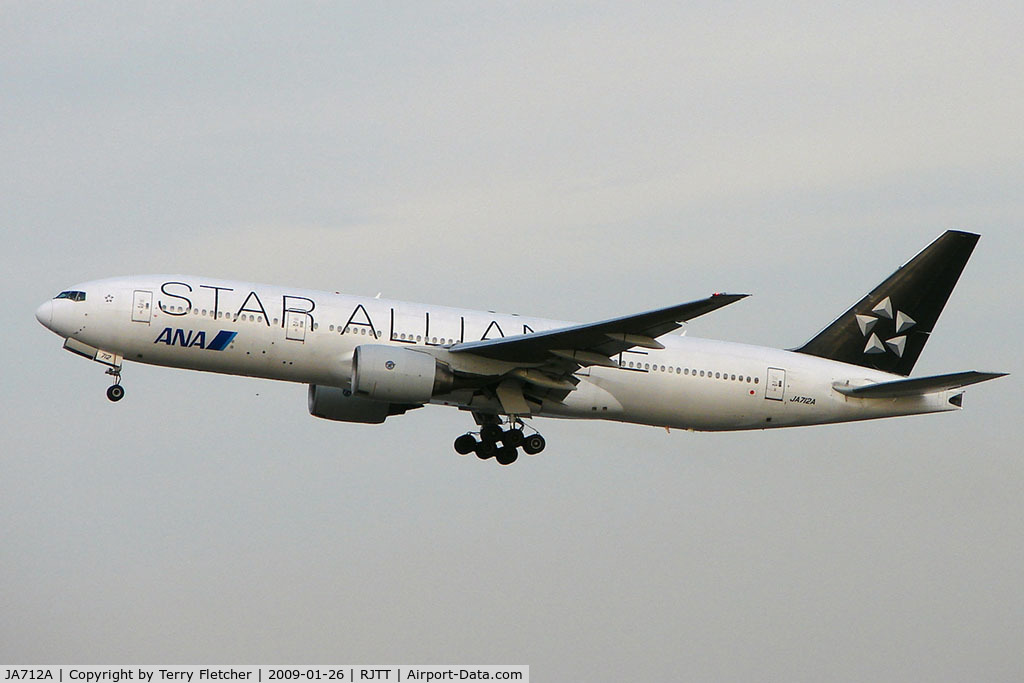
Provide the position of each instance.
(870, 327)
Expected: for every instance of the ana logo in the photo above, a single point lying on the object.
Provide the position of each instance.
(195, 339)
(900, 323)
(390, 365)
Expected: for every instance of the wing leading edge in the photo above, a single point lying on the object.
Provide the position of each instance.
(594, 343)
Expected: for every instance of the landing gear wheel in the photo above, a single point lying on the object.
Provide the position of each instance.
(485, 450)
(533, 444)
(490, 432)
(513, 437)
(506, 455)
(465, 444)
(115, 392)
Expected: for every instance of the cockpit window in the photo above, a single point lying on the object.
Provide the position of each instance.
(73, 295)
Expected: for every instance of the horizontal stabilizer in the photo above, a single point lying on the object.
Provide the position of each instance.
(917, 386)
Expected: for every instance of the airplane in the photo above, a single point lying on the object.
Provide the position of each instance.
(367, 359)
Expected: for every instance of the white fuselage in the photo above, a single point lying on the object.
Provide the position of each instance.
(309, 336)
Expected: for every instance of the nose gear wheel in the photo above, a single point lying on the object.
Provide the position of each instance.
(115, 392)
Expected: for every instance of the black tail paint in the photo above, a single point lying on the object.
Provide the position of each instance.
(888, 328)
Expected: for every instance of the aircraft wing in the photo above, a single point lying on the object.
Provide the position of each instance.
(918, 385)
(595, 343)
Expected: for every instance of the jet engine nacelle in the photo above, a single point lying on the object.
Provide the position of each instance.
(334, 403)
(399, 375)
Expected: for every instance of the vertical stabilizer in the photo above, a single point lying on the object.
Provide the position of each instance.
(888, 328)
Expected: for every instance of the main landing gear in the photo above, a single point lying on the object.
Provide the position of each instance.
(115, 392)
(501, 444)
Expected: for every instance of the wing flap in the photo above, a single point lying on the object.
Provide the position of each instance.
(917, 386)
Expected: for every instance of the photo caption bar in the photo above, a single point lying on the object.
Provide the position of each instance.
(393, 673)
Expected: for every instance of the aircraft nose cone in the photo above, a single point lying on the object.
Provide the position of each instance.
(44, 314)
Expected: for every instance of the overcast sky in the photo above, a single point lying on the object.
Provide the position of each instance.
(578, 161)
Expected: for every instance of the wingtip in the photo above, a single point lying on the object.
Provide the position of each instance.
(963, 233)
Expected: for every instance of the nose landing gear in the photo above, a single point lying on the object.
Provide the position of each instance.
(501, 444)
(115, 392)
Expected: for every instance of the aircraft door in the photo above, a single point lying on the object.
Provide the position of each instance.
(776, 387)
(142, 306)
(295, 325)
